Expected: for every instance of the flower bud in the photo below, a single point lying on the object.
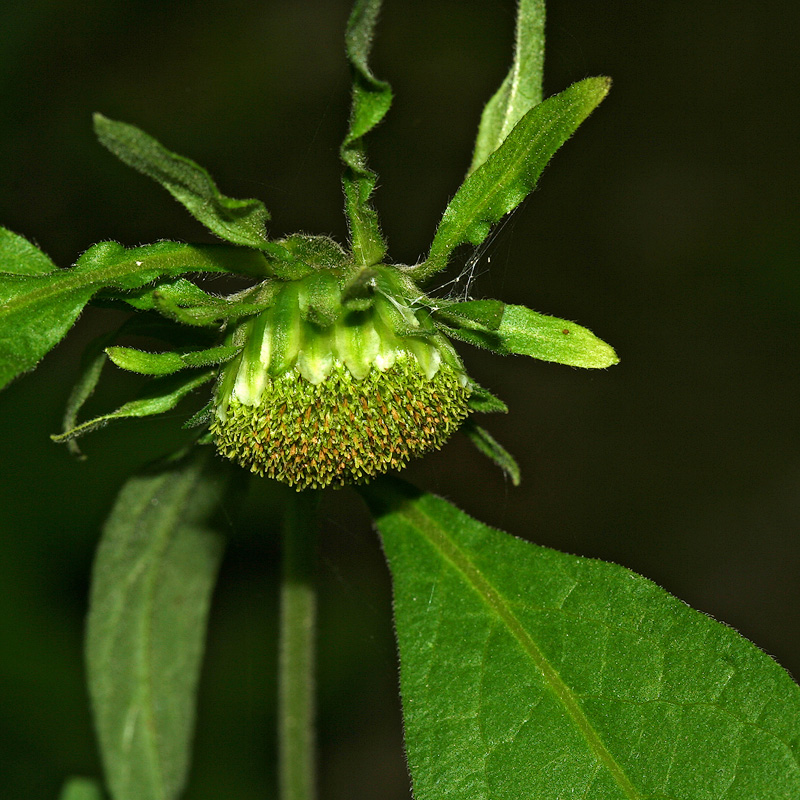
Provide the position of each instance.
(324, 394)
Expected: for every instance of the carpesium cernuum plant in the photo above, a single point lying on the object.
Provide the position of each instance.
(524, 672)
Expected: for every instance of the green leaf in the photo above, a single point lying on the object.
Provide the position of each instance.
(528, 673)
(81, 789)
(528, 333)
(522, 88)
(482, 401)
(491, 448)
(510, 173)
(481, 315)
(37, 310)
(237, 221)
(151, 587)
(371, 101)
(162, 395)
(167, 363)
(19, 257)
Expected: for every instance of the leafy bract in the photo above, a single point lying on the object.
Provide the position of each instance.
(237, 221)
(169, 362)
(483, 401)
(371, 101)
(522, 88)
(492, 449)
(37, 308)
(162, 395)
(529, 673)
(151, 586)
(19, 257)
(510, 173)
(524, 332)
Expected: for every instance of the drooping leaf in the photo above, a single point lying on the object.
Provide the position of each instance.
(492, 449)
(93, 360)
(237, 221)
(371, 101)
(529, 673)
(162, 395)
(19, 257)
(151, 586)
(169, 362)
(37, 309)
(522, 88)
(510, 173)
(528, 333)
(81, 789)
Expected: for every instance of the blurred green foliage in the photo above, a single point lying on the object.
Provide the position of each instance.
(669, 227)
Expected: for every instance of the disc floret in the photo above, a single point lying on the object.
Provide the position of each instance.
(331, 388)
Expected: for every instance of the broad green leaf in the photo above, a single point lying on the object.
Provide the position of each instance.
(510, 173)
(529, 673)
(162, 395)
(522, 88)
(237, 221)
(491, 448)
(151, 586)
(19, 257)
(37, 310)
(528, 333)
(169, 362)
(81, 789)
(371, 101)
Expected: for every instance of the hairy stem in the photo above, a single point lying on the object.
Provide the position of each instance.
(296, 740)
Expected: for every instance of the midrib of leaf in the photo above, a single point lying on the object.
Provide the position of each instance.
(146, 679)
(105, 276)
(498, 604)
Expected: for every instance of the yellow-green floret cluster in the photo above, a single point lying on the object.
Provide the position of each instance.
(314, 404)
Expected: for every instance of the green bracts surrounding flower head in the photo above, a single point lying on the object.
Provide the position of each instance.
(315, 399)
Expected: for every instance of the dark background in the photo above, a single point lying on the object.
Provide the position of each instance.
(668, 226)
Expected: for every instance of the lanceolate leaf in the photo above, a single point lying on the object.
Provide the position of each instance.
(19, 257)
(237, 221)
(163, 395)
(36, 310)
(491, 448)
(510, 173)
(371, 101)
(483, 401)
(169, 362)
(522, 88)
(528, 333)
(528, 673)
(151, 586)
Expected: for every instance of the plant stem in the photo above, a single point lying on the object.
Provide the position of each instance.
(296, 741)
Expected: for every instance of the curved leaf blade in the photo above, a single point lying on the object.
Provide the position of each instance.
(531, 673)
(371, 101)
(152, 580)
(487, 445)
(510, 173)
(19, 257)
(522, 88)
(240, 222)
(163, 395)
(37, 309)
